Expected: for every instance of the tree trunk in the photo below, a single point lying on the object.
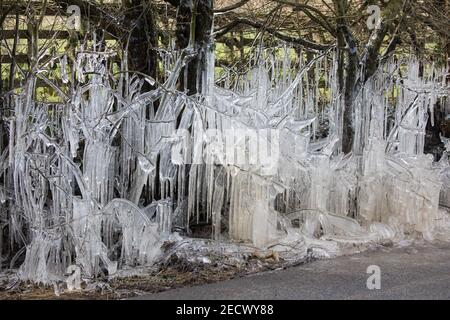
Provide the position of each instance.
(347, 73)
(194, 24)
(142, 41)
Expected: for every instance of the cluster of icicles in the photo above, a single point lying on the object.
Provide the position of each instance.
(103, 180)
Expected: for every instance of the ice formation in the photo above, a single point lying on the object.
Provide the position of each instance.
(102, 180)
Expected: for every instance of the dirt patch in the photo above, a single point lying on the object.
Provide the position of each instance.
(175, 273)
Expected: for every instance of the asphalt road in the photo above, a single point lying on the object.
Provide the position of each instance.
(416, 272)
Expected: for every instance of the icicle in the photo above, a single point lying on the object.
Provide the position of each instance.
(108, 163)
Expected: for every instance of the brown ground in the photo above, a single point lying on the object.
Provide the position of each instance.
(174, 274)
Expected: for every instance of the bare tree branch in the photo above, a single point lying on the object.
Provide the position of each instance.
(294, 40)
(321, 19)
(231, 7)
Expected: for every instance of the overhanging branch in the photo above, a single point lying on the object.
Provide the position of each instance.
(298, 41)
(231, 7)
